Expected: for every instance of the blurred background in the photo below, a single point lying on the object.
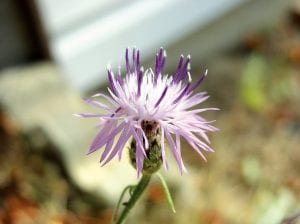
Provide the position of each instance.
(54, 54)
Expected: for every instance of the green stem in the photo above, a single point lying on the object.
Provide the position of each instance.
(137, 192)
(119, 203)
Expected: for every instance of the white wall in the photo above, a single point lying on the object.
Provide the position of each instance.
(86, 35)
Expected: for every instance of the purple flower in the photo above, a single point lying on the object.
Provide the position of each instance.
(151, 96)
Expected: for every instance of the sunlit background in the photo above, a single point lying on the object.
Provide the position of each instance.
(55, 53)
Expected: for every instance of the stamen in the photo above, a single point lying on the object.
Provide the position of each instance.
(182, 93)
(127, 61)
(156, 68)
(177, 73)
(119, 77)
(160, 53)
(138, 60)
(160, 60)
(133, 60)
(111, 81)
(183, 72)
(198, 82)
(162, 96)
(140, 79)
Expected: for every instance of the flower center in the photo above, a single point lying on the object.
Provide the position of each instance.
(151, 129)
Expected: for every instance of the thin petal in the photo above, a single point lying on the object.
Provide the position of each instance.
(139, 159)
(175, 152)
(120, 144)
(106, 97)
(86, 115)
(163, 152)
(179, 151)
(108, 148)
(162, 96)
(138, 139)
(199, 81)
(101, 136)
(98, 104)
(127, 61)
(110, 137)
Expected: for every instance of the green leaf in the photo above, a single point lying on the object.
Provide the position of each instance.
(167, 192)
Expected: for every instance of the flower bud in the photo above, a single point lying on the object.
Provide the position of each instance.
(153, 161)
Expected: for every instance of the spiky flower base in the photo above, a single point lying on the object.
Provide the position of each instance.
(153, 161)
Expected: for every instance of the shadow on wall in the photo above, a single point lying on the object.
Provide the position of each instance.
(21, 36)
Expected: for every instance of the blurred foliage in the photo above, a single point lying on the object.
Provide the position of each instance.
(253, 83)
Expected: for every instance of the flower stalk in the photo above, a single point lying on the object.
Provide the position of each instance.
(136, 194)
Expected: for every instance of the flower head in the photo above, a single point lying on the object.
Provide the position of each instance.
(148, 104)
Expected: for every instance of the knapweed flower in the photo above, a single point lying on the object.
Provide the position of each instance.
(148, 105)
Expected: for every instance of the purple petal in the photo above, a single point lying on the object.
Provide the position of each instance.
(162, 96)
(142, 133)
(87, 115)
(140, 79)
(179, 152)
(112, 82)
(198, 82)
(108, 148)
(183, 72)
(129, 134)
(120, 80)
(138, 139)
(198, 151)
(195, 100)
(138, 60)
(98, 104)
(133, 60)
(127, 61)
(156, 68)
(175, 152)
(184, 91)
(180, 62)
(139, 159)
(160, 60)
(193, 127)
(197, 111)
(192, 143)
(106, 97)
(110, 140)
(120, 144)
(186, 64)
(161, 50)
(163, 152)
(96, 144)
(110, 136)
